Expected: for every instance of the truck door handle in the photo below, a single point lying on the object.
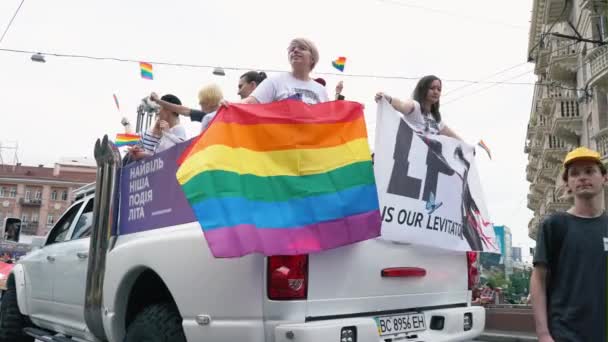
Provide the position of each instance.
(50, 258)
(82, 255)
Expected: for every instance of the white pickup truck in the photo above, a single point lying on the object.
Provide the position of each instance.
(90, 281)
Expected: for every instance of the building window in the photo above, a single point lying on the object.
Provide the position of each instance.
(13, 193)
(38, 195)
(50, 220)
(24, 218)
(54, 195)
(2, 192)
(64, 196)
(34, 218)
(28, 194)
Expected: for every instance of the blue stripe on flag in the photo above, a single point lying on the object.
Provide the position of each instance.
(231, 211)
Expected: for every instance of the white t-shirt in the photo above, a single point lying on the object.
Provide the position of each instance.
(207, 120)
(284, 85)
(423, 123)
(174, 136)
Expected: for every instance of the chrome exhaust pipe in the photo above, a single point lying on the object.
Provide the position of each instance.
(105, 219)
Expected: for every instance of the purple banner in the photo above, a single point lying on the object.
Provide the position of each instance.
(150, 196)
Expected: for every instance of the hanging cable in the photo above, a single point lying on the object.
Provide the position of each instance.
(11, 22)
(235, 68)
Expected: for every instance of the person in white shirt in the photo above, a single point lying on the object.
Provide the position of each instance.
(303, 56)
(422, 111)
(166, 132)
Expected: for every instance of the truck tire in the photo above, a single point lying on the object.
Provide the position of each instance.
(156, 323)
(12, 321)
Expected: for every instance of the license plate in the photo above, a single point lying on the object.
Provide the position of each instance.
(397, 324)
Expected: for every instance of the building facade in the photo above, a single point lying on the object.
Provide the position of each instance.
(39, 195)
(516, 253)
(570, 102)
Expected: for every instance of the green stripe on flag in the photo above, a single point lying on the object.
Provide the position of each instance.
(216, 183)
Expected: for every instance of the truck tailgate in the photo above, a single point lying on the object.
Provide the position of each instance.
(348, 280)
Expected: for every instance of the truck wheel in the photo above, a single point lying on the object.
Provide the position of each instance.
(12, 321)
(156, 323)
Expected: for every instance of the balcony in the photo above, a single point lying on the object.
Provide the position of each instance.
(593, 5)
(555, 149)
(542, 60)
(601, 141)
(566, 122)
(30, 202)
(531, 131)
(556, 201)
(533, 202)
(598, 67)
(533, 227)
(556, 11)
(563, 60)
(546, 171)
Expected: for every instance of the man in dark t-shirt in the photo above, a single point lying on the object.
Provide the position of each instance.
(568, 284)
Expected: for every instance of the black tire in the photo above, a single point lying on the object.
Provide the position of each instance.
(12, 321)
(156, 323)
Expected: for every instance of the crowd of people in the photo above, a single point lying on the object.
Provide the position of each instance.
(421, 111)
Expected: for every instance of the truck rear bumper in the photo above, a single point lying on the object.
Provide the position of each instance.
(367, 331)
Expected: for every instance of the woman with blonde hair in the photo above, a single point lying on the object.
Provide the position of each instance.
(209, 98)
(303, 56)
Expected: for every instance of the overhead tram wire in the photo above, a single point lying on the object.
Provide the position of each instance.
(553, 85)
(501, 72)
(485, 78)
(235, 68)
(10, 23)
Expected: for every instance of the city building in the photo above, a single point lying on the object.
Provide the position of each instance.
(38, 195)
(570, 103)
(516, 253)
(504, 238)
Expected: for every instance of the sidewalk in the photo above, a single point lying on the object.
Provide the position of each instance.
(506, 336)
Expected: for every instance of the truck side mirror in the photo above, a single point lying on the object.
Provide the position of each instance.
(11, 229)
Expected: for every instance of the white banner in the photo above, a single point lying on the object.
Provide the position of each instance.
(428, 187)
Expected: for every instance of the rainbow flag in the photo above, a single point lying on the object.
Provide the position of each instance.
(483, 145)
(339, 63)
(282, 178)
(126, 139)
(146, 70)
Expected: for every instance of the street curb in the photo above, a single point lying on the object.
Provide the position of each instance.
(504, 337)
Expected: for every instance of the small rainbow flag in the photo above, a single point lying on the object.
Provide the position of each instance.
(116, 102)
(126, 139)
(282, 178)
(146, 70)
(485, 147)
(339, 63)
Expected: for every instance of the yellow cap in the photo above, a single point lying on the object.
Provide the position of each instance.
(582, 153)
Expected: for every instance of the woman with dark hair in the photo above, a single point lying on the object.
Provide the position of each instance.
(249, 81)
(422, 111)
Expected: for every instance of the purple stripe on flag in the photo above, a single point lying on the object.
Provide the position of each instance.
(244, 239)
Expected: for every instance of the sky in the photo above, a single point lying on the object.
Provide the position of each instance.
(59, 108)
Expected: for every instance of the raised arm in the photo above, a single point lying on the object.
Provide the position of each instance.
(447, 131)
(170, 106)
(403, 106)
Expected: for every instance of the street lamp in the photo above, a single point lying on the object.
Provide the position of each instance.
(38, 57)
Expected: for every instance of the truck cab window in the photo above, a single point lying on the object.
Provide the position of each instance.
(61, 229)
(85, 222)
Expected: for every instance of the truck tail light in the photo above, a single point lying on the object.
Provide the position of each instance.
(287, 277)
(473, 273)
